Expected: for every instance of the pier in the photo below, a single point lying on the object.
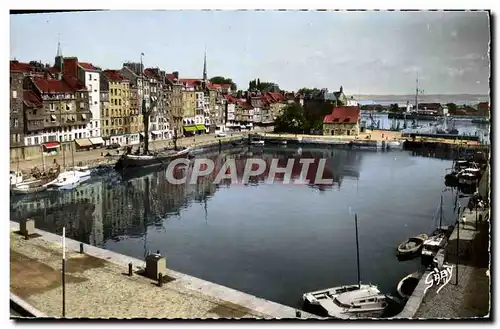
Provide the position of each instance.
(98, 285)
(467, 294)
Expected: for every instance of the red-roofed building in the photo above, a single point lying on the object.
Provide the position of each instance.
(483, 109)
(343, 120)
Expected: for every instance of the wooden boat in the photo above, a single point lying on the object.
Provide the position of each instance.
(431, 247)
(133, 161)
(411, 246)
(408, 284)
(24, 189)
(40, 183)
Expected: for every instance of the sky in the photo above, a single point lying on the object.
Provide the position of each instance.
(365, 52)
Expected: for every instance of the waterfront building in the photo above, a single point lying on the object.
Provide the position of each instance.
(159, 118)
(483, 109)
(230, 111)
(342, 121)
(105, 115)
(277, 103)
(56, 111)
(351, 101)
(16, 113)
(430, 108)
(120, 117)
(189, 107)
(136, 124)
(134, 72)
(174, 94)
(201, 107)
(89, 75)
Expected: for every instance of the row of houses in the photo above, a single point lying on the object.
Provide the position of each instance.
(75, 101)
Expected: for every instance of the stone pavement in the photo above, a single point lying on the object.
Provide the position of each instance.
(470, 296)
(97, 286)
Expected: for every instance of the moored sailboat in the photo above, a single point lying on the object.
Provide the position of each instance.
(351, 301)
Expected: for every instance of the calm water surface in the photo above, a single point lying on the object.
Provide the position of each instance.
(274, 241)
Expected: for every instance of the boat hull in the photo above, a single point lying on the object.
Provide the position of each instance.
(137, 162)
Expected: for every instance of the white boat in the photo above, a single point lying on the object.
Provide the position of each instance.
(349, 302)
(66, 180)
(469, 176)
(352, 301)
(432, 245)
(257, 142)
(395, 145)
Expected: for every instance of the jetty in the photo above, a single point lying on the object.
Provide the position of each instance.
(100, 284)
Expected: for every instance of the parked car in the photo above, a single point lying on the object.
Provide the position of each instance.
(221, 134)
(113, 146)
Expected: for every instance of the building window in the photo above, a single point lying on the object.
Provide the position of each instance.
(90, 76)
(82, 105)
(16, 122)
(14, 94)
(95, 103)
(90, 87)
(45, 139)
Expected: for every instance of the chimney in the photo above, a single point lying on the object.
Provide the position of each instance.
(176, 75)
(341, 89)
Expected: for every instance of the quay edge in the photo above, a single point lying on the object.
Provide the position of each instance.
(270, 309)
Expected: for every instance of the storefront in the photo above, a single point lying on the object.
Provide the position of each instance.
(83, 144)
(97, 142)
(51, 147)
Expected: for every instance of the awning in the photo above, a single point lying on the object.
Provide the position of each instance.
(190, 128)
(142, 134)
(96, 140)
(156, 133)
(53, 117)
(200, 127)
(51, 145)
(84, 142)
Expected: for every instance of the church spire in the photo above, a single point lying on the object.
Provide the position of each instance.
(58, 63)
(205, 67)
(59, 51)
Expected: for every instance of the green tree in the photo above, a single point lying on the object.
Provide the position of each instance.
(256, 84)
(224, 81)
(452, 108)
(305, 91)
(292, 119)
(394, 108)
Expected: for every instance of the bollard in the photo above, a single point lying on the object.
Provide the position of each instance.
(26, 235)
(160, 280)
(130, 273)
(81, 248)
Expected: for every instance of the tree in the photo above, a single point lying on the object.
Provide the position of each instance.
(291, 120)
(394, 108)
(256, 84)
(224, 81)
(305, 91)
(452, 108)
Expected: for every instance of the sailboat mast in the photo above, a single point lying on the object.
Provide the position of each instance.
(441, 212)
(357, 248)
(73, 159)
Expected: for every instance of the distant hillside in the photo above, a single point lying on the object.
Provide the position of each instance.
(458, 99)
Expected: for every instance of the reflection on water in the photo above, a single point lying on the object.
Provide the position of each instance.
(275, 241)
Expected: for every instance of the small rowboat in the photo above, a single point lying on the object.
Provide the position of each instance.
(408, 284)
(411, 246)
